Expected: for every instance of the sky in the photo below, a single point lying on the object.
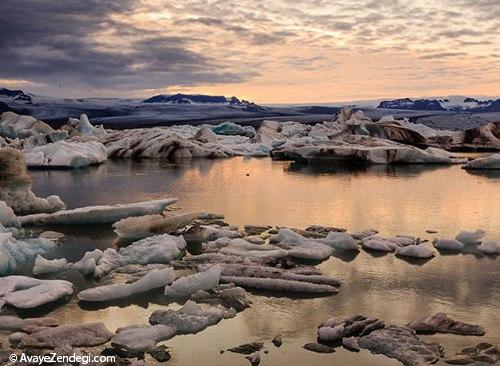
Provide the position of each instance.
(276, 51)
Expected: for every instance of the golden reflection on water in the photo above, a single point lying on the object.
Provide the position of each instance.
(394, 200)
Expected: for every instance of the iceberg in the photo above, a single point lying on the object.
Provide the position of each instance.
(26, 292)
(165, 324)
(15, 324)
(16, 184)
(229, 128)
(449, 244)
(415, 251)
(489, 247)
(378, 243)
(75, 335)
(87, 264)
(139, 227)
(155, 249)
(489, 162)
(277, 284)
(357, 326)
(65, 154)
(341, 241)
(188, 285)
(470, 237)
(154, 279)
(44, 266)
(13, 126)
(16, 252)
(97, 214)
(7, 215)
(142, 338)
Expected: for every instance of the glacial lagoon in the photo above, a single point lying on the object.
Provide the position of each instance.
(395, 200)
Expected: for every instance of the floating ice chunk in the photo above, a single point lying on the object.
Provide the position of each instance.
(470, 237)
(205, 134)
(188, 285)
(449, 244)
(192, 317)
(341, 241)
(489, 162)
(7, 215)
(489, 247)
(46, 266)
(75, 335)
(138, 227)
(311, 250)
(288, 236)
(378, 243)
(153, 279)
(240, 270)
(26, 292)
(66, 154)
(155, 249)
(97, 214)
(229, 128)
(359, 235)
(276, 284)
(87, 264)
(15, 252)
(142, 338)
(15, 324)
(415, 251)
(243, 248)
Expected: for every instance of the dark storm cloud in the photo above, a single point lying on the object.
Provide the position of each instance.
(55, 42)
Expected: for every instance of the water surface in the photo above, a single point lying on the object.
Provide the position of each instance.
(394, 200)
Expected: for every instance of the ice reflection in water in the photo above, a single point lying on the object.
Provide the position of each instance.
(394, 200)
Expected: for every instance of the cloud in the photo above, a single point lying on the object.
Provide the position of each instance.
(442, 55)
(60, 45)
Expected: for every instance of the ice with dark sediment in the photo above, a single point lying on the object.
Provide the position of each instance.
(97, 214)
(165, 324)
(7, 215)
(16, 185)
(76, 335)
(488, 162)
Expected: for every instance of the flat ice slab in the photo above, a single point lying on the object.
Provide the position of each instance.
(97, 214)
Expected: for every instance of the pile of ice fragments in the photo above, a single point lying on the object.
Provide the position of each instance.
(349, 136)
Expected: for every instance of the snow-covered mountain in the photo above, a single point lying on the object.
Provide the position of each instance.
(197, 99)
(452, 103)
(15, 95)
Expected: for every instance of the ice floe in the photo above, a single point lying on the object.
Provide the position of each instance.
(155, 249)
(26, 292)
(489, 162)
(470, 237)
(15, 252)
(75, 335)
(188, 285)
(65, 154)
(415, 251)
(45, 266)
(153, 279)
(16, 183)
(449, 244)
(97, 214)
(489, 247)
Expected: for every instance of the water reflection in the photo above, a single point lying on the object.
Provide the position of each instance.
(394, 200)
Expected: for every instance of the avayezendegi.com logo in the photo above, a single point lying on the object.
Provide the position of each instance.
(54, 358)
